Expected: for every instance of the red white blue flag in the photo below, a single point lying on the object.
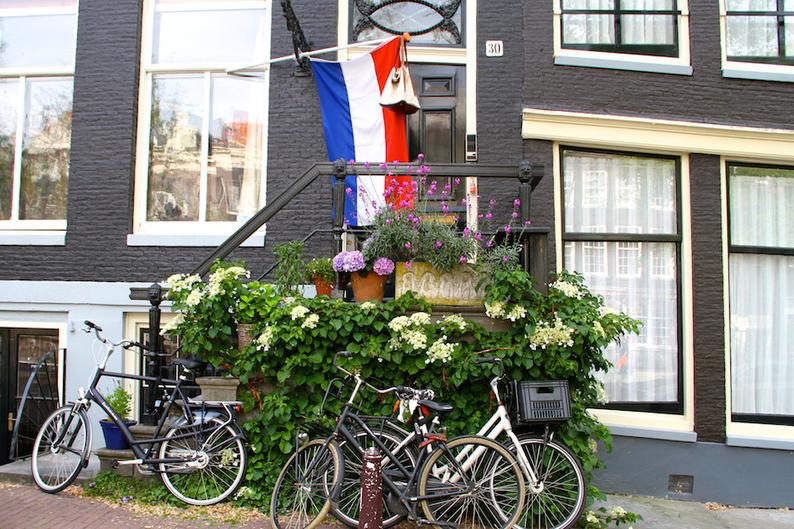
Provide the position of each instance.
(358, 128)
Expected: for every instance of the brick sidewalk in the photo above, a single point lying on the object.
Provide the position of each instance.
(26, 507)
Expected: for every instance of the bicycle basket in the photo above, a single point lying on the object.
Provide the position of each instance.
(540, 401)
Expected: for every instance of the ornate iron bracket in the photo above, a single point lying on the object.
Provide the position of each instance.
(299, 42)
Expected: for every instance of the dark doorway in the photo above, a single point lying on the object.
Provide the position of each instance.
(20, 352)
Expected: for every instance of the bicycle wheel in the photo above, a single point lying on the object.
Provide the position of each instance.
(60, 449)
(561, 500)
(347, 509)
(307, 485)
(473, 483)
(210, 464)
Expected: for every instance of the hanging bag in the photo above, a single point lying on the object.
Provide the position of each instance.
(398, 92)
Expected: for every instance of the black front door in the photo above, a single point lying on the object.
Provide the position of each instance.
(438, 130)
(20, 352)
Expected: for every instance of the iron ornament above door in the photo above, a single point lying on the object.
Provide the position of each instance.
(417, 17)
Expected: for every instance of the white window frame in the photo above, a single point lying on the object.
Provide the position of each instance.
(16, 231)
(749, 70)
(626, 61)
(202, 232)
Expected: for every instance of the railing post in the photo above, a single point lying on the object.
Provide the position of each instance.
(340, 172)
(534, 241)
(371, 513)
(155, 341)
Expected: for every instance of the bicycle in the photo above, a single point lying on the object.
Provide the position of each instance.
(201, 459)
(469, 481)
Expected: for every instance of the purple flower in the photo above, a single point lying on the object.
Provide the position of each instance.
(463, 259)
(489, 215)
(408, 246)
(508, 229)
(517, 203)
(478, 236)
(383, 266)
(349, 191)
(438, 245)
(366, 165)
(463, 201)
(408, 264)
(388, 222)
(444, 208)
(492, 203)
(126, 499)
(349, 261)
(514, 215)
(384, 166)
(421, 157)
(527, 222)
(466, 232)
(480, 216)
(505, 258)
(489, 244)
(457, 180)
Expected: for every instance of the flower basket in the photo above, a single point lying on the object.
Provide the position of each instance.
(368, 286)
(456, 287)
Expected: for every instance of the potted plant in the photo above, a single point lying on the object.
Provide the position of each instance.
(321, 272)
(367, 280)
(289, 273)
(120, 401)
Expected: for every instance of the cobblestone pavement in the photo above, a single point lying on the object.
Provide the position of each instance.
(26, 507)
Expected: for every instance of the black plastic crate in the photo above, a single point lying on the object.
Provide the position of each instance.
(541, 401)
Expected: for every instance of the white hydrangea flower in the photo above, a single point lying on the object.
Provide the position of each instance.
(592, 445)
(599, 329)
(569, 289)
(591, 517)
(311, 321)
(618, 512)
(299, 311)
(440, 350)
(265, 340)
(420, 318)
(172, 325)
(546, 334)
(180, 282)
(194, 298)
(607, 310)
(601, 394)
(495, 309)
(516, 313)
(368, 305)
(455, 320)
(415, 339)
(399, 323)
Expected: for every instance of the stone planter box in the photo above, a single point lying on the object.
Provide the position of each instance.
(218, 388)
(455, 288)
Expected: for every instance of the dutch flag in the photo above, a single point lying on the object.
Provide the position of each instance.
(358, 128)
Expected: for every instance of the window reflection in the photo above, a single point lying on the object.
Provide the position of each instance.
(175, 148)
(36, 41)
(46, 147)
(8, 129)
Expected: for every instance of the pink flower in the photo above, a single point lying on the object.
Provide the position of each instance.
(444, 208)
(463, 259)
(466, 232)
(349, 191)
(527, 222)
(457, 180)
(366, 165)
(489, 244)
(408, 246)
(438, 245)
(508, 229)
(505, 258)
(421, 157)
(384, 166)
(489, 215)
(514, 215)
(478, 236)
(517, 203)
(463, 202)
(408, 264)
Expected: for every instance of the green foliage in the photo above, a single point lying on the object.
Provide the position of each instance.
(120, 401)
(321, 267)
(559, 336)
(289, 272)
(110, 485)
(603, 518)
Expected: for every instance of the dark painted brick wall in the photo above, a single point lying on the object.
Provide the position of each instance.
(707, 278)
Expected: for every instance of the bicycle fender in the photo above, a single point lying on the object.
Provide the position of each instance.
(199, 416)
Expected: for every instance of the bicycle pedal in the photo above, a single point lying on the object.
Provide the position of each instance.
(424, 521)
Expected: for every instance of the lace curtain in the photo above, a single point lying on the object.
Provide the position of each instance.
(762, 292)
(635, 29)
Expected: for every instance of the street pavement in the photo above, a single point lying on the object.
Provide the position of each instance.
(23, 506)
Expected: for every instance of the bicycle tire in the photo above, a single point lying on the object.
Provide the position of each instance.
(562, 500)
(291, 506)
(499, 490)
(55, 469)
(347, 509)
(223, 464)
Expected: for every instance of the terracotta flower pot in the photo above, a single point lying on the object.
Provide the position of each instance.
(323, 287)
(368, 286)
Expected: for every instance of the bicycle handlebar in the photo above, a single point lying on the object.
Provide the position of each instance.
(401, 391)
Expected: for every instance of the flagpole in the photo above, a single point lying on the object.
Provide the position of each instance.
(239, 70)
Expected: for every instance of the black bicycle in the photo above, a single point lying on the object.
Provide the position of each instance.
(468, 482)
(201, 459)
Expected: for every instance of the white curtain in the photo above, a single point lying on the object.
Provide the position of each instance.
(750, 35)
(636, 29)
(606, 193)
(762, 292)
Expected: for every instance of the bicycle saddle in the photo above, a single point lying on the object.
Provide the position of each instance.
(438, 407)
(189, 363)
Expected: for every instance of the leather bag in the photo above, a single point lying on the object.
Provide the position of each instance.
(398, 92)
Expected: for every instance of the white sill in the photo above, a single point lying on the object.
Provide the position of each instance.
(759, 442)
(33, 238)
(157, 239)
(654, 433)
(758, 71)
(621, 63)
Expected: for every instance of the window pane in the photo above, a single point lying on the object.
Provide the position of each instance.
(752, 5)
(36, 3)
(645, 365)
(210, 35)
(235, 162)
(175, 148)
(789, 21)
(762, 206)
(649, 5)
(30, 348)
(611, 193)
(751, 36)
(762, 334)
(647, 29)
(588, 29)
(395, 18)
(8, 129)
(46, 146)
(31, 41)
(588, 4)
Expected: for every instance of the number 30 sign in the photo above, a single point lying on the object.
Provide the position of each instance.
(494, 48)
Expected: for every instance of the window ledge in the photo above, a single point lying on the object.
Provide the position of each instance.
(654, 433)
(156, 239)
(758, 71)
(620, 63)
(33, 238)
(760, 442)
